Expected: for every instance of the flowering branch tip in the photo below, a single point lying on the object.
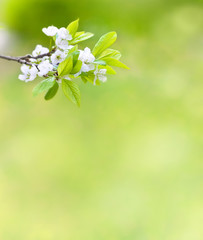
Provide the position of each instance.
(65, 62)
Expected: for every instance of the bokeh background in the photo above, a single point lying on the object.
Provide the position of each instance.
(128, 164)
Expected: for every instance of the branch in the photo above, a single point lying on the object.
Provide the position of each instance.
(16, 59)
(39, 56)
(26, 59)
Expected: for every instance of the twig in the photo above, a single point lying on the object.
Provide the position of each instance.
(39, 56)
(26, 59)
(15, 59)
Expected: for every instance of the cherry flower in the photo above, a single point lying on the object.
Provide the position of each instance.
(100, 74)
(44, 67)
(50, 31)
(87, 59)
(63, 33)
(29, 73)
(57, 57)
(62, 43)
(63, 37)
(39, 50)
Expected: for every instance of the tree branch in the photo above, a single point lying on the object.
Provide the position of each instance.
(16, 59)
(26, 59)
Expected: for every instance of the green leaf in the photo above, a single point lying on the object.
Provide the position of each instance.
(77, 67)
(89, 77)
(51, 92)
(50, 44)
(43, 86)
(110, 53)
(73, 27)
(84, 79)
(100, 62)
(104, 42)
(78, 34)
(75, 57)
(73, 49)
(66, 66)
(81, 38)
(115, 62)
(51, 73)
(71, 91)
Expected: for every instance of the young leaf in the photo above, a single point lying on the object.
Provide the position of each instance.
(104, 42)
(51, 92)
(50, 44)
(77, 67)
(100, 62)
(89, 77)
(114, 62)
(73, 49)
(110, 53)
(71, 91)
(75, 57)
(73, 27)
(66, 66)
(84, 79)
(81, 38)
(78, 34)
(43, 86)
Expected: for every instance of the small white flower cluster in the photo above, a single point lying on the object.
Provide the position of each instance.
(42, 66)
(64, 62)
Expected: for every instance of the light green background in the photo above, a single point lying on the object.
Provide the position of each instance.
(128, 164)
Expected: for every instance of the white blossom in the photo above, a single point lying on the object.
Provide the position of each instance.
(63, 33)
(44, 68)
(50, 31)
(87, 59)
(39, 50)
(100, 74)
(57, 57)
(63, 37)
(38, 60)
(62, 43)
(29, 73)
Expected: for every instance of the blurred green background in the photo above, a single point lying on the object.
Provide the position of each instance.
(128, 164)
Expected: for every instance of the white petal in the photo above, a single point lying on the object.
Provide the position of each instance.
(62, 43)
(91, 66)
(25, 68)
(103, 78)
(64, 34)
(33, 71)
(87, 50)
(44, 68)
(22, 77)
(102, 71)
(39, 50)
(86, 56)
(85, 68)
(50, 31)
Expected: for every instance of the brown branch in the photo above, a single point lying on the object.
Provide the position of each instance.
(39, 56)
(15, 59)
(26, 59)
